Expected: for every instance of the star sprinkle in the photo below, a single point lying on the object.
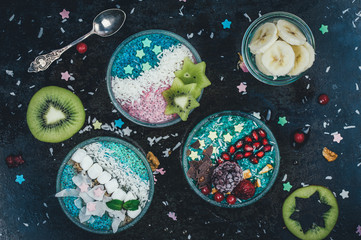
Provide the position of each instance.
(238, 127)
(91, 206)
(242, 87)
(201, 144)
(337, 137)
(324, 29)
(127, 131)
(344, 194)
(161, 171)
(128, 69)
(83, 187)
(98, 192)
(227, 137)
(64, 14)
(287, 186)
(212, 135)
(65, 75)
(282, 121)
(140, 54)
(183, 0)
(193, 155)
(226, 24)
(97, 124)
(146, 42)
(358, 230)
(172, 216)
(19, 179)
(146, 66)
(157, 49)
(119, 123)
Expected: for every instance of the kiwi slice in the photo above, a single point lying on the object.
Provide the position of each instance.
(310, 212)
(194, 73)
(54, 114)
(180, 99)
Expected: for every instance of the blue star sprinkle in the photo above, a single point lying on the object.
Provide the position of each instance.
(20, 179)
(226, 24)
(119, 123)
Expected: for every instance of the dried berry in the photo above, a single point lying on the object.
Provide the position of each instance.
(81, 47)
(231, 199)
(14, 160)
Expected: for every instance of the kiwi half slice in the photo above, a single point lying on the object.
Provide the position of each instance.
(180, 99)
(194, 73)
(310, 220)
(54, 114)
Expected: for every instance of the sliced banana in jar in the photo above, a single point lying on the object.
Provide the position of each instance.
(259, 64)
(311, 53)
(263, 38)
(302, 58)
(279, 59)
(290, 33)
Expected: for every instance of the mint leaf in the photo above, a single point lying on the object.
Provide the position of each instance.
(115, 204)
(131, 205)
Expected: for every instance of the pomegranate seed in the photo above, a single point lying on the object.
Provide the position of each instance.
(299, 137)
(231, 149)
(267, 148)
(81, 47)
(323, 99)
(218, 197)
(264, 141)
(205, 190)
(254, 160)
(247, 154)
(225, 156)
(238, 156)
(220, 161)
(231, 199)
(248, 148)
(260, 154)
(262, 133)
(256, 145)
(239, 143)
(254, 135)
(248, 139)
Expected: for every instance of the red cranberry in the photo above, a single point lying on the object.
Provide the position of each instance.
(81, 47)
(299, 137)
(218, 197)
(231, 199)
(323, 99)
(206, 190)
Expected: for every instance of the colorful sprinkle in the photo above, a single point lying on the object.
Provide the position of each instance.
(65, 75)
(140, 54)
(324, 29)
(19, 179)
(212, 135)
(287, 186)
(119, 123)
(358, 230)
(226, 24)
(344, 194)
(161, 171)
(64, 14)
(337, 137)
(97, 124)
(146, 42)
(172, 216)
(282, 121)
(242, 87)
(128, 69)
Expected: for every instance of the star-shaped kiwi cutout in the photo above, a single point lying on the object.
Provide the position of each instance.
(180, 99)
(309, 212)
(194, 73)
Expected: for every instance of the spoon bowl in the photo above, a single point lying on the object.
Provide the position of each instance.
(108, 22)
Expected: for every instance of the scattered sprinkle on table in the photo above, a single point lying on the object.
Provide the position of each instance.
(65, 75)
(172, 216)
(282, 121)
(19, 179)
(358, 230)
(97, 124)
(337, 137)
(119, 123)
(324, 29)
(287, 186)
(64, 14)
(226, 24)
(344, 194)
(242, 87)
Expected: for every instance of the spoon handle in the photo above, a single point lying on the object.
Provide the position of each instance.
(42, 62)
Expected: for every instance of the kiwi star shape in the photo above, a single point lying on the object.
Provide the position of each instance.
(194, 73)
(180, 99)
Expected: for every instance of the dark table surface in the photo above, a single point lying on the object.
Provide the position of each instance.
(30, 210)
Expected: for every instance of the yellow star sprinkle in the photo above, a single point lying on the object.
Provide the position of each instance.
(227, 137)
(212, 135)
(238, 128)
(201, 144)
(193, 155)
(97, 124)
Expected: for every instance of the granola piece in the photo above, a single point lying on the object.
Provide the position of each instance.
(153, 161)
(329, 155)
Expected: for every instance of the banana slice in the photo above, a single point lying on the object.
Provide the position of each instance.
(263, 38)
(302, 58)
(279, 59)
(259, 64)
(290, 33)
(311, 52)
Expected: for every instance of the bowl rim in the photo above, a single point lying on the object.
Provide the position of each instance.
(285, 80)
(109, 75)
(261, 124)
(137, 150)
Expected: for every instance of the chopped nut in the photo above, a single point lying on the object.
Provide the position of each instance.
(329, 155)
(267, 168)
(153, 161)
(214, 190)
(247, 174)
(258, 183)
(77, 167)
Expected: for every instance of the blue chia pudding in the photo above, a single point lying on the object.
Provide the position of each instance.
(230, 159)
(98, 174)
(142, 69)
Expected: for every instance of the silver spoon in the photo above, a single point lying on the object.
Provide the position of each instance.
(105, 24)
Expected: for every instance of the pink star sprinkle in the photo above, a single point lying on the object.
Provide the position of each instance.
(358, 231)
(64, 14)
(83, 187)
(172, 216)
(65, 75)
(242, 87)
(337, 137)
(161, 171)
(91, 206)
(98, 192)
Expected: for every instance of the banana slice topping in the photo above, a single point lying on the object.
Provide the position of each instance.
(263, 38)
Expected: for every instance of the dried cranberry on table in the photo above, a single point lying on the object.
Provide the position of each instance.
(14, 160)
(81, 47)
(300, 136)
